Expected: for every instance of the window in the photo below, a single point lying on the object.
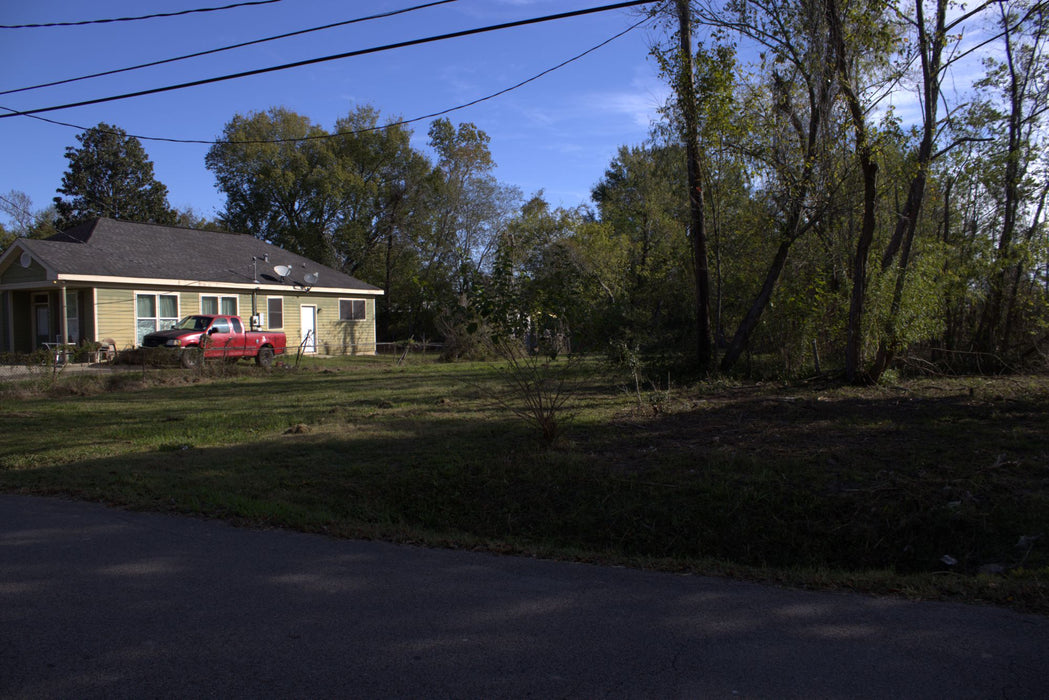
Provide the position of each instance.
(72, 317)
(226, 306)
(351, 309)
(154, 312)
(275, 311)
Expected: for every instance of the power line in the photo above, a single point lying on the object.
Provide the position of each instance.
(14, 206)
(135, 19)
(348, 54)
(403, 122)
(227, 48)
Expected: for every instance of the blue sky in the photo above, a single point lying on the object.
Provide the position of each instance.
(557, 134)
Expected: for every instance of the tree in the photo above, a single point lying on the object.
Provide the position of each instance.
(341, 198)
(684, 80)
(189, 218)
(639, 200)
(1021, 78)
(25, 223)
(466, 211)
(110, 175)
(468, 204)
(789, 146)
(551, 278)
(854, 30)
(274, 169)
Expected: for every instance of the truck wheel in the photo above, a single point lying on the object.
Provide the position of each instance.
(265, 357)
(190, 358)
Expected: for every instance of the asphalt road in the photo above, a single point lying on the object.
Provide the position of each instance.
(98, 602)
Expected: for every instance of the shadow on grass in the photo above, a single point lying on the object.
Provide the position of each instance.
(781, 491)
(952, 483)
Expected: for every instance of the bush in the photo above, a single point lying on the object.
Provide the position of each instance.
(536, 386)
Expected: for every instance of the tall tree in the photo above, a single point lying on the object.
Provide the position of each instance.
(1021, 78)
(25, 222)
(792, 130)
(333, 197)
(110, 175)
(272, 167)
(933, 37)
(639, 200)
(468, 208)
(685, 85)
(852, 31)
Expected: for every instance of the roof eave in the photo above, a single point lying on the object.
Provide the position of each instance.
(205, 284)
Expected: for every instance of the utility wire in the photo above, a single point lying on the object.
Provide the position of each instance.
(227, 48)
(15, 207)
(348, 54)
(403, 122)
(135, 19)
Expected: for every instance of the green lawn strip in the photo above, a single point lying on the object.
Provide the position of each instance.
(878, 489)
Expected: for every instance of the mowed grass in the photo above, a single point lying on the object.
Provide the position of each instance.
(932, 488)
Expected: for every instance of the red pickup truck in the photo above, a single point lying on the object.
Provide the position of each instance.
(207, 336)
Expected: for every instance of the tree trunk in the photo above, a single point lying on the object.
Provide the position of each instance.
(931, 48)
(757, 307)
(869, 173)
(697, 222)
(990, 333)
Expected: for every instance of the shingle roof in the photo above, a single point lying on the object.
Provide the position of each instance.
(111, 248)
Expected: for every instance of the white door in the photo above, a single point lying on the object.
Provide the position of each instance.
(43, 325)
(308, 324)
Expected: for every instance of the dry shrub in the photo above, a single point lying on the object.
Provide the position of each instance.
(536, 386)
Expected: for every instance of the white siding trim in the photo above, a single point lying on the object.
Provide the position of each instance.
(141, 282)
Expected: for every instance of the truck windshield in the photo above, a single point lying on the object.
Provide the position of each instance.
(193, 323)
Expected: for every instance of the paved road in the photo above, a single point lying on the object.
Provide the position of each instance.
(97, 602)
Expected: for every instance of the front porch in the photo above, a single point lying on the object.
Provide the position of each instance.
(58, 319)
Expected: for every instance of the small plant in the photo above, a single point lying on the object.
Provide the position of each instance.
(629, 357)
(659, 397)
(86, 351)
(44, 366)
(537, 387)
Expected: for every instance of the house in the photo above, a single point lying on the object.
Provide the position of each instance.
(109, 280)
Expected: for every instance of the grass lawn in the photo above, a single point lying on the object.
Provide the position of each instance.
(935, 488)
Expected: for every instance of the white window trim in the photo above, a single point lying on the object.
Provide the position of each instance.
(218, 298)
(269, 316)
(353, 320)
(156, 300)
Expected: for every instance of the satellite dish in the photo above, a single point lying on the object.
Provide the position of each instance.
(282, 270)
(26, 260)
(311, 278)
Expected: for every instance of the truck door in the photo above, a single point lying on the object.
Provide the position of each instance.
(239, 338)
(220, 339)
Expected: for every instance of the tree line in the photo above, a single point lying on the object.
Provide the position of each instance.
(783, 218)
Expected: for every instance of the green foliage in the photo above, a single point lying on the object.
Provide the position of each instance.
(466, 209)
(782, 144)
(370, 204)
(110, 175)
(637, 198)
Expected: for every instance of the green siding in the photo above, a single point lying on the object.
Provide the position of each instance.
(113, 316)
(5, 322)
(115, 312)
(16, 274)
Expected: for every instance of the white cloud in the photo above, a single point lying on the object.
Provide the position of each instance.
(641, 108)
